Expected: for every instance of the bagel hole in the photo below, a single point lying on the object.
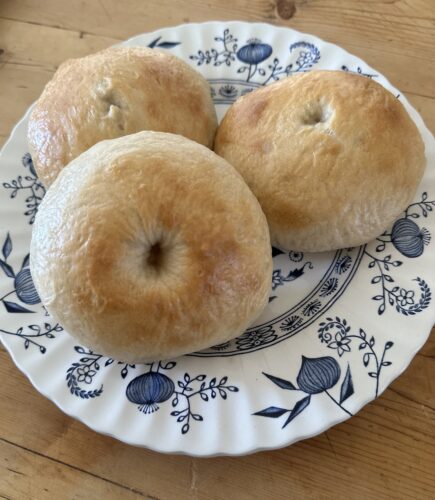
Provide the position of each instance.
(316, 113)
(113, 98)
(155, 257)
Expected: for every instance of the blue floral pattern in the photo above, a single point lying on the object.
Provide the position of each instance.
(29, 185)
(291, 323)
(23, 286)
(150, 389)
(337, 335)
(153, 387)
(316, 376)
(328, 287)
(84, 371)
(279, 279)
(409, 239)
(320, 375)
(251, 56)
(256, 338)
(340, 272)
(33, 334)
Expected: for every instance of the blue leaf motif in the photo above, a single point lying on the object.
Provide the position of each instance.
(7, 247)
(7, 269)
(280, 382)
(347, 386)
(26, 261)
(272, 411)
(164, 45)
(168, 45)
(152, 44)
(276, 251)
(318, 374)
(297, 409)
(12, 307)
(366, 359)
(168, 366)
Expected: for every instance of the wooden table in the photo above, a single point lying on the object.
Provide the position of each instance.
(387, 450)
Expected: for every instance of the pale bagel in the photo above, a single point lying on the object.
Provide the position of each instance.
(332, 157)
(116, 92)
(150, 246)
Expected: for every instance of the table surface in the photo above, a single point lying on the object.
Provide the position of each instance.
(388, 449)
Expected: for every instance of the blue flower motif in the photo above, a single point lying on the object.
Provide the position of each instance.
(256, 338)
(343, 264)
(149, 389)
(337, 335)
(25, 288)
(408, 238)
(295, 256)
(341, 343)
(308, 57)
(291, 323)
(328, 287)
(406, 297)
(304, 58)
(312, 307)
(228, 91)
(85, 374)
(318, 374)
(277, 278)
(254, 52)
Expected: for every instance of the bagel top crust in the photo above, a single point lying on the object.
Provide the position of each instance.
(332, 157)
(151, 246)
(115, 92)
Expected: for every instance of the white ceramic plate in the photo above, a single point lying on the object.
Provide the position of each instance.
(339, 328)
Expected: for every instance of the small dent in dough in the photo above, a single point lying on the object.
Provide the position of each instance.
(316, 113)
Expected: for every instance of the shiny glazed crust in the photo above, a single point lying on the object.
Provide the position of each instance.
(332, 157)
(94, 259)
(115, 92)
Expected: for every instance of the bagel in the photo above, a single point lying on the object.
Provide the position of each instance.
(332, 157)
(150, 246)
(116, 92)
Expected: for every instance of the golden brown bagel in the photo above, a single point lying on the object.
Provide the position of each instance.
(332, 157)
(150, 246)
(115, 92)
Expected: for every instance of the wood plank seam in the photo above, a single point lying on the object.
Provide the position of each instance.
(80, 33)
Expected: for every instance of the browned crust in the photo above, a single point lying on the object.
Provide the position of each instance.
(115, 92)
(328, 185)
(100, 217)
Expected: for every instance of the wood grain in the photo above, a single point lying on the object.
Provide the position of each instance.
(27, 474)
(387, 450)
